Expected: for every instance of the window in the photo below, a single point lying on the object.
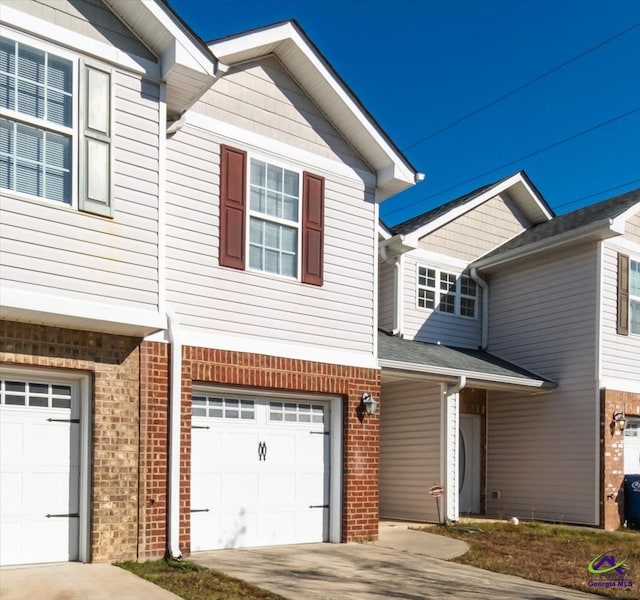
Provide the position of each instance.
(40, 395)
(223, 408)
(45, 151)
(447, 292)
(273, 216)
(634, 296)
(284, 215)
(296, 413)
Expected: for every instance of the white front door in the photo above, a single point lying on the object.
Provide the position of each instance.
(39, 470)
(632, 447)
(259, 471)
(469, 464)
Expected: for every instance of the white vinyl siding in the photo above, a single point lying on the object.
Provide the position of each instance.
(262, 97)
(386, 295)
(619, 353)
(339, 315)
(434, 325)
(409, 450)
(478, 231)
(91, 18)
(52, 249)
(543, 318)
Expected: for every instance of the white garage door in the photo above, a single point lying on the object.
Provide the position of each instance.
(39, 471)
(632, 447)
(259, 472)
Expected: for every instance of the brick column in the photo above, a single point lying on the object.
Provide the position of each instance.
(612, 455)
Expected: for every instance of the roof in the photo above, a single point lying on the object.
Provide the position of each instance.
(517, 186)
(290, 44)
(583, 219)
(437, 359)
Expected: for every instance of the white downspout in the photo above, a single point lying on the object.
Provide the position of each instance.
(397, 296)
(451, 418)
(484, 342)
(175, 398)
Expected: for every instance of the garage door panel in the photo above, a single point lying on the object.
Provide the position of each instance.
(39, 471)
(272, 467)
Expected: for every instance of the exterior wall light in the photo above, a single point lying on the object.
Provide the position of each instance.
(369, 403)
(618, 420)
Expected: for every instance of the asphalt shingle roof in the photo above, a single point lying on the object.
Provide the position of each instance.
(478, 362)
(607, 209)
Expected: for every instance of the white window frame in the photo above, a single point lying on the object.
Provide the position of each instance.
(633, 297)
(281, 164)
(15, 116)
(437, 291)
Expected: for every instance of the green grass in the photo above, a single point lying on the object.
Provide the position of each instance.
(192, 582)
(554, 554)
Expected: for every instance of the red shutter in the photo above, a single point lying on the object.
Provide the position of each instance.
(623, 294)
(233, 177)
(312, 228)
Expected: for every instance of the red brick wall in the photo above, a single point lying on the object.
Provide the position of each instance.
(360, 437)
(113, 363)
(154, 440)
(612, 455)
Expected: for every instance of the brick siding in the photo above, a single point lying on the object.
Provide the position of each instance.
(612, 455)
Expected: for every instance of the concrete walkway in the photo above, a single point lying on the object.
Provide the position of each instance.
(76, 581)
(400, 565)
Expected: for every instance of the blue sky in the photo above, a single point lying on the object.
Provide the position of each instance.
(419, 65)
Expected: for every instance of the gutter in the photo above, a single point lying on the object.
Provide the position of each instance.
(175, 398)
(599, 230)
(457, 373)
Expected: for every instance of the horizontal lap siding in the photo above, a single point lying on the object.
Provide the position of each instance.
(263, 98)
(409, 450)
(86, 17)
(50, 248)
(385, 295)
(209, 298)
(542, 451)
(478, 231)
(432, 325)
(620, 353)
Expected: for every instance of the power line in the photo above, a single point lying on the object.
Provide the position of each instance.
(516, 160)
(521, 87)
(615, 187)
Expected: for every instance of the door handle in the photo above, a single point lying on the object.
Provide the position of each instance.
(262, 451)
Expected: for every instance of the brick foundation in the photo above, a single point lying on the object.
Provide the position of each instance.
(612, 455)
(113, 364)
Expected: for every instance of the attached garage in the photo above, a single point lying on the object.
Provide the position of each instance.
(43, 482)
(261, 469)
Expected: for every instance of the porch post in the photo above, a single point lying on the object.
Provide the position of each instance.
(449, 447)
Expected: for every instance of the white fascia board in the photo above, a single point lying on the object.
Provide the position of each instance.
(458, 211)
(445, 372)
(620, 385)
(66, 38)
(599, 230)
(620, 221)
(393, 173)
(269, 347)
(383, 232)
(190, 52)
(257, 142)
(440, 260)
(537, 198)
(623, 245)
(396, 245)
(48, 309)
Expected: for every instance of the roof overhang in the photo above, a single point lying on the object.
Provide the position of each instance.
(288, 42)
(186, 65)
(596, 231)
(58, 311)
(398, 370)
(519, 189)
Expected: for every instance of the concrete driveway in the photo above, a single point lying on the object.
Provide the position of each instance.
(399, 565)
(76, 581)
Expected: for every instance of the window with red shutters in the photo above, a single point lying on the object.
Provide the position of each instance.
(275, 222)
